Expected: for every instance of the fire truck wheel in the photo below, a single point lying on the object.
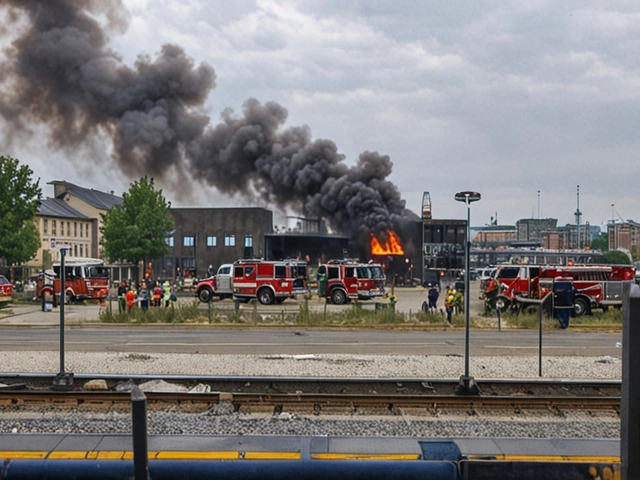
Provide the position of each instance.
(265, 296)
(338, 296)
(502, 303)
(205, 294)
(580, 307)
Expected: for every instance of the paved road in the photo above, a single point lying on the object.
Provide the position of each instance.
(243, 341)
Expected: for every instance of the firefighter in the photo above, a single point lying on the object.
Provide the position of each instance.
(131, 299)
(157, 295)
(449, 301)
(166, 293)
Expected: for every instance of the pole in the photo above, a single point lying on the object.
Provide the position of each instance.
(63, 251)
(466, 292)
(630, 400)
(467, 384)
(63, 380)
(140, 442)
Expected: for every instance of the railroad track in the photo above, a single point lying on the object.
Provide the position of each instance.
(321, 395)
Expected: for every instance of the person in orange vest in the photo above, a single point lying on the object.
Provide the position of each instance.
(131, 300)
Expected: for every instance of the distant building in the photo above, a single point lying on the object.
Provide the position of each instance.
(57, 222)
(212, 236)
(625, 235)
(91, 203)
(494, 236)
(533, 229)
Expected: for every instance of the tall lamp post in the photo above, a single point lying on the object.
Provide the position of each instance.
(467, 385)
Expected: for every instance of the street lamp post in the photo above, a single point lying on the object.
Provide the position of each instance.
(467, 385)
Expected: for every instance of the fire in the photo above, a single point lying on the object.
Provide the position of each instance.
(393, 245)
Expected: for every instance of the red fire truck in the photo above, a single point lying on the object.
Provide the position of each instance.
(6, 290)
(596, 286)
(269, 281)
(85, 279)
(349, 279)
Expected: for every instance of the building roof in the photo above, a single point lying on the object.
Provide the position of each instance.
(56, 207)
(95, 198)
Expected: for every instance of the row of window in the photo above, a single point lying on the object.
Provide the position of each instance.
(77, 250)
(84, 228)
(212, 241)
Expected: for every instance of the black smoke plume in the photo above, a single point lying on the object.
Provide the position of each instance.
(60, 72)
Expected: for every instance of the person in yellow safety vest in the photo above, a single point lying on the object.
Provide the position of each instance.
(166, 293)
(449, 301)
(458, 302)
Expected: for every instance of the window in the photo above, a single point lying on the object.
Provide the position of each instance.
(169, 241)
(189, 263)
(212, 241)
(53, 227)
(81, 231)
(44, 226)
(75, 229)
(281, 271)
(333, 272)
(86, 230)
(75, 250)
(248, 240)
(229, 240)
(189, 241)
(81, 254)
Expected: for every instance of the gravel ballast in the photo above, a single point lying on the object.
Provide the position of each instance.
(226, 421)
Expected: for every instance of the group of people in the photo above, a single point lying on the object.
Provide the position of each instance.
(147, 293)
(453, 300)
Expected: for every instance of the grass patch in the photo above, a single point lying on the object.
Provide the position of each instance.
(185, 312)
(530, 319)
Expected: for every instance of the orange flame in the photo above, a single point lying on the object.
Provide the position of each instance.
(393, 245)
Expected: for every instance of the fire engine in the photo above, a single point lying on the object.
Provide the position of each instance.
(596, 286)
(6, 290)
(85, 279)
(349, 279)
(269, 281)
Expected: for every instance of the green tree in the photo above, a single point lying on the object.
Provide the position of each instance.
(136, 230)
(616, 257)
(19, 203)
(600, 242)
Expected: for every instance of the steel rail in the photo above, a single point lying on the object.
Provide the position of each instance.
(311, 400)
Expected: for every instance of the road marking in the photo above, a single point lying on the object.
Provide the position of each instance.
(526, 347)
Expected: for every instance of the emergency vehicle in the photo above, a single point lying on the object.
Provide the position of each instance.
(349, 279)
(85, 279)
(269, 281)
(6, 290)
(595, 286)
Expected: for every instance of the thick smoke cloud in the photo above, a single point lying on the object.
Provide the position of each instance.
(61, 72)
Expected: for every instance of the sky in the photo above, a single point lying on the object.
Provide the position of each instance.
(519, 101)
